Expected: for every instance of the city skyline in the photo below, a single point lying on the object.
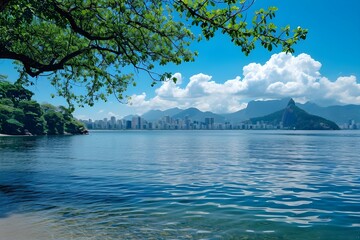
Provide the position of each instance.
(167, 122)
(324, 68)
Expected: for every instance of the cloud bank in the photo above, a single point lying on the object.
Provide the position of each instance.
(283, 75)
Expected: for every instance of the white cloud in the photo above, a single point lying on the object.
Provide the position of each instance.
(111, 114)
(200, 92)
(345, 90)
(283, 75)
(81, 116)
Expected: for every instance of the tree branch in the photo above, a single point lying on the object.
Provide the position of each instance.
(30, 63)
(76, 27)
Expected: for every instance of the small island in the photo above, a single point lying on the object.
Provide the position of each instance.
(20, 115)
(293, 117)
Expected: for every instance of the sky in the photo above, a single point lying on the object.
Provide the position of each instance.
(324, 69)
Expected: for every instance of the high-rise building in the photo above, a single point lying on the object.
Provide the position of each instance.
(209, 123)
(136, 122)
(113, 122)
(128, 124)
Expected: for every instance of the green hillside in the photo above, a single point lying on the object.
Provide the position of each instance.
(292, 117)
(19, 114)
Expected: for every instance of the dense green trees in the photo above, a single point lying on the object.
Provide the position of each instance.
(21, 115)
(55, 121)
(34, 120)
(77, 42)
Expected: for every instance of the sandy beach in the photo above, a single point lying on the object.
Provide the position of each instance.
(23, 227)
(7, 135)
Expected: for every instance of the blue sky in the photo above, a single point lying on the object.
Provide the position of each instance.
(325, 68)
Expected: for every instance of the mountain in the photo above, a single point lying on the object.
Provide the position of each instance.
(293, 117)
(257, 109)
(192, 113)
(197, 115)
(154, 115)
(338, 114)
(129, 117)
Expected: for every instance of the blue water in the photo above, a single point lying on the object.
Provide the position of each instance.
(185, 184)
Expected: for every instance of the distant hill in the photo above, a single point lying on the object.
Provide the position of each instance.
(338, 114)
(192, 113)
(154, 115)
(129, 117)
(293, 117)
(197, 115)
(257, 109)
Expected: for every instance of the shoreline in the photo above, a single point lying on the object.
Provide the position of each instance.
(25, 135)
(4, 135)
(7, 135)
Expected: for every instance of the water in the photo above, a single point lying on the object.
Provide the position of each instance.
(181, 185)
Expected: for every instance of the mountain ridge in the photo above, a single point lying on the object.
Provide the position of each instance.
(339, 114)
(293, 117)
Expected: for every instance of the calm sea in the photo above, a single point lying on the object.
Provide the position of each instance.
(181, 185)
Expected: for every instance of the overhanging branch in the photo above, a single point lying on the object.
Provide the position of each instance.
(76, 28)
(35, 68)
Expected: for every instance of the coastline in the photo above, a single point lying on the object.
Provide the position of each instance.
(27, 135)
(7, 135)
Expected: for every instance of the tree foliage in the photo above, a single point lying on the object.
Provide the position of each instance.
(55, 122)
(14, 91)
(21, 115)
(13, 126)
(78, 42)
(34, 120)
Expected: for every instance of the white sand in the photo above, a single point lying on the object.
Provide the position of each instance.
(23, 227)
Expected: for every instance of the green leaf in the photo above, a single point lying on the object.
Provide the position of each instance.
(76, 42)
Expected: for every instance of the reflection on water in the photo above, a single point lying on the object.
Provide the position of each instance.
(184, 184)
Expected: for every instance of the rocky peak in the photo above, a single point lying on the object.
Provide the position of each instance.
(291, 103)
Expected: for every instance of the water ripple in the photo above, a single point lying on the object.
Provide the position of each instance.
(171, 185)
